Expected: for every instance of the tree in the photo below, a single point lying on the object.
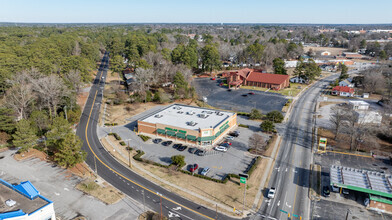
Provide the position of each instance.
(40, 121)
(343, 74)
(267, 126)
(257, 143)
(255, 52)
(158, 96)
(58, 130)
(337, 119)
(255, 114)
(24, 136)
(210, 58)
(178, 160)
(275, 116)
(383, 55)
(69, 151)
(279, 68)
(117, 63)
(373, 80)
(7, 120)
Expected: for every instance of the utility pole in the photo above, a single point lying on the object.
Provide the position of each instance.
(348, 211)
(95, 162)
(243, 207)
(129, 156)
(65, 110)
(144, 202)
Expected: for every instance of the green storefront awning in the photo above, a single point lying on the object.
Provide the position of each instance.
(218, 133)
(191, 137)
(209, 138)
(171, 133)
(161, 131)
(180, 135)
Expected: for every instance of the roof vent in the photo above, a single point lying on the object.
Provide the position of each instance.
(203, 115)
(177, 107)
(10, 202)
(158, 116)
(190, 113)
(180, 112)
(192, 123)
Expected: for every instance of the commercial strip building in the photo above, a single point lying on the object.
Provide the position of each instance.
(194, 125)
(376, 184)
(24, 201)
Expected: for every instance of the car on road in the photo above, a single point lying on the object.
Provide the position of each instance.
(167, 143)
(326, 191)
(192, 150)
(157, 141)
(230, 138)
(193, 167)
(205, 171)
(251, 93)
(182, 148)
(244, 95)
(221, 148)
(176, 146)
(271, 193)
(200, 152)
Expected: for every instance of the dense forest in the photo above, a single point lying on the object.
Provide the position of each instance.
(44, 67)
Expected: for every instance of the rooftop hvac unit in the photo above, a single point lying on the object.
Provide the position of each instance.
(192, 123)
(202, 115)
(190, 113)
(158, 116)
(10, 202)
(180, 112)
(177, 107)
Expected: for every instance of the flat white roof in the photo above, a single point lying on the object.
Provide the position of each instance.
(358, 102)
(188, 117)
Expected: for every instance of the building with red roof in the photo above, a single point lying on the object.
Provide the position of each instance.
(343, 91)
(251, 77)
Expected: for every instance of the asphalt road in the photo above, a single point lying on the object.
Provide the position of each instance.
(291, 171)
(121, 177)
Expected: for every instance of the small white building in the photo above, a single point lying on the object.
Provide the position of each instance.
(359, 105)
(290, 63)
(297, 79)
(365, 95)
(347, 83)
(369, 117)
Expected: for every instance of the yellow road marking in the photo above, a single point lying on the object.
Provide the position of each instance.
(296, 189)
(358, 155)
(163, 197)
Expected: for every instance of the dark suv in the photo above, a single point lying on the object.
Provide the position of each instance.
(167, 143)
(182, 148)
(157, 140)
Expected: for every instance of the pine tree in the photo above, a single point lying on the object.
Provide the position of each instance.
(7, 120)
(24, 136)
(69, 151)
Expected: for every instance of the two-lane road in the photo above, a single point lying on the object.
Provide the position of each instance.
(120, 176)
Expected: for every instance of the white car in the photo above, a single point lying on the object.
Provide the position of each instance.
(271, 193)
(230, 138)
(221, 148)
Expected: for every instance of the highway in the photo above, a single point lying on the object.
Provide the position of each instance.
(291, 171)
(121, 177)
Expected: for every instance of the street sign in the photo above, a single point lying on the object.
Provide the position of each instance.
(283, 211)
(243, 180)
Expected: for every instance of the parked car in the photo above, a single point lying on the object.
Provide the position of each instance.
(345, 192)
(235, 134)
(326, 191)
(176, 146)
(226, 145)
(213, 78)
(205, 171)
(157, 140)
(192, 150)
(251, 93)
(200, 152)
(167, 143)
(226, 142)
(229, 90)
(244, 95)
(220, 148)
(335, 189)
(230, 138)
(271, 193)
(193, 167)
(182, 148)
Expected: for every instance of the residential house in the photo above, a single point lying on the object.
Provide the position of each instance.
(352, 55)
(298, 79)
(251, 77)
(343, 91)
(347, 83)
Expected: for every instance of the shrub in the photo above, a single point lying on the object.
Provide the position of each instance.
(275, 116)
(267, 126)
(244, 126)
(253, 166)
(139, 155)
(111, 124)
(122, 143)
(178, 160)
(255, 114)
(144, 137)
(129, 148)
(243, 113)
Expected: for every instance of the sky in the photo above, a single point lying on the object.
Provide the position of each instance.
(197, 11)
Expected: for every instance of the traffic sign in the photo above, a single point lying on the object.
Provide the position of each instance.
(283, 211)
(243, 180)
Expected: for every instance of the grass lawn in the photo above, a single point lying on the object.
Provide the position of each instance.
(294, 89)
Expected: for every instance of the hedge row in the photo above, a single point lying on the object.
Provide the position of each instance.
(111, 124)
(244, 126)
(122, 143)
(254, 163)
(243, 113)
(116, 136)
(141, 153)
(144, 138)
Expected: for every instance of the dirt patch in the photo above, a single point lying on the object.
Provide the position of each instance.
(230, 194)
(149, 215)
(81, 170)
(322, 104)
(32, 153)
(106, 193)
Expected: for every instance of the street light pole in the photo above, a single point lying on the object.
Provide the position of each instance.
(129, 156)
(144, 202)
(243, 207)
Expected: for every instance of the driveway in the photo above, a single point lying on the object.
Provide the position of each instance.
(219, 97)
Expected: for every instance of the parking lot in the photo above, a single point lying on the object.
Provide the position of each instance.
(220, 97)
(235, 160)
(337, 203)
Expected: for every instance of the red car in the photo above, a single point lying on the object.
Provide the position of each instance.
(193, 167)
(251, 93)
(213, 78)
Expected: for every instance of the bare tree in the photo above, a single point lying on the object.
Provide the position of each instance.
(351, 125)
(269, 54)
(373, 80)
(144, 78)
(257, 143)
(50, 90)
(74, 79)
(337, 119)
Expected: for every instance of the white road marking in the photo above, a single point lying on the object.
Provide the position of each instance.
(278, 203)
(57, 194)
(137, 190)
(148, 197)
(133, 187)
(128, 184)
(66, 189)
(286, 169)
(288, 205)
(154, 200)
(171, 215)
